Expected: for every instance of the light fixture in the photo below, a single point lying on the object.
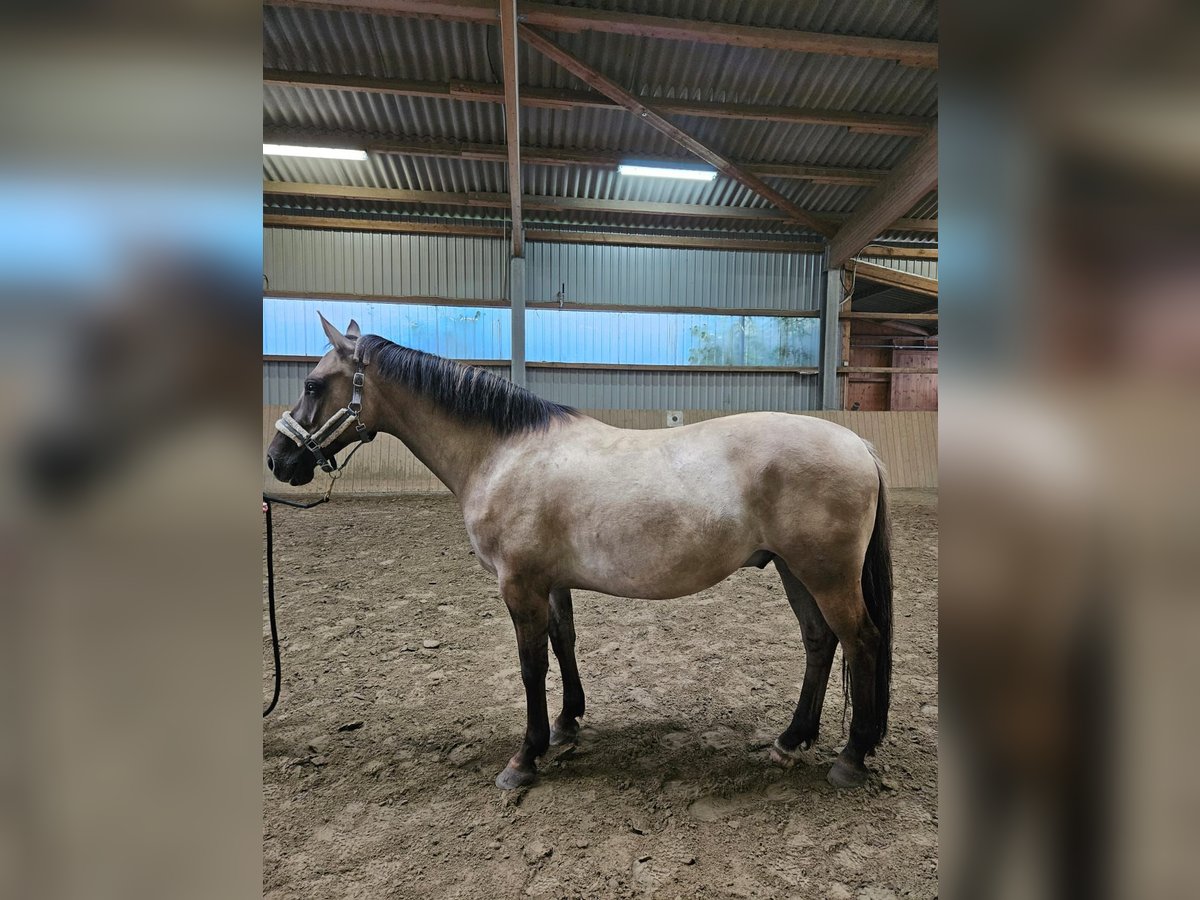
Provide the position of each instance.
(667, 172)
(313, 152)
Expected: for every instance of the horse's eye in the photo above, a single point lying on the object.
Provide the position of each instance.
(310, 387)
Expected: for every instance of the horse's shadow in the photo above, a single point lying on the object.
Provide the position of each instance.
(660, 758)
(634, 756)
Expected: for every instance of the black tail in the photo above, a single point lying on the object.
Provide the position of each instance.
(877, 592)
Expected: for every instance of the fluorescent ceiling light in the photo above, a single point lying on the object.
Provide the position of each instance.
(313, 152)
(665, 172)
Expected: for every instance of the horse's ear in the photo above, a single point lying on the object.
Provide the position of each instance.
(352, 330)
(340, 343)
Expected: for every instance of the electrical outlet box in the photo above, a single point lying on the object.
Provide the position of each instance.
(674, 417)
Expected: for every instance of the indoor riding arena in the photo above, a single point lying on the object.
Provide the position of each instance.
(657, 215)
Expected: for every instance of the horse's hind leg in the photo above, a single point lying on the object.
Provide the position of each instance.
(820, 643)
(846, 612)
(565, 729)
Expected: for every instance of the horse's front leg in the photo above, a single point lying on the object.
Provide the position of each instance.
(562, 638)
(530, 611)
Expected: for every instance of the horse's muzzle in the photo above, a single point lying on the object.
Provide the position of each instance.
(295, 472)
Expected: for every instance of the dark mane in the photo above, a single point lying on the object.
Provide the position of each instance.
(469, 393)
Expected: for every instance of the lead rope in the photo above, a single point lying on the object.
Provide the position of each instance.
(271, 604)
(269, 499)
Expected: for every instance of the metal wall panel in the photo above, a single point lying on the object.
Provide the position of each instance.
(599, 273)
(401, 265)
(725, 391)
(283, 382)
(345, 262)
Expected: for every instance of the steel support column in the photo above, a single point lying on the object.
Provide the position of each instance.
(516, 295)
(831, 336)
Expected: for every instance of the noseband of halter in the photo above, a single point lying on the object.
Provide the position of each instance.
(315, 442)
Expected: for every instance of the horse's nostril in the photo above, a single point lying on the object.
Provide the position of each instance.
(270, 464)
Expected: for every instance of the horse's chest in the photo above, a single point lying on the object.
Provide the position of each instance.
(485, 550)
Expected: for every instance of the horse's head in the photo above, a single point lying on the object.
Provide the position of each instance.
(327, 416)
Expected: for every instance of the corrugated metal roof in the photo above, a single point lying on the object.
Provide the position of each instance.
(672, 69)
(927, 208)
(914, 20)
(393, 47)
(581, 129)
(418, 49)
(898, 300)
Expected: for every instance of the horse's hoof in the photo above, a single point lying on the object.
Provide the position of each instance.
(564, 734)
(845, 774)
(512, 778)
(781, 756)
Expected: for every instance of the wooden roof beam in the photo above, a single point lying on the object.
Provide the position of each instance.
(618, 94)
(494, 200)
(512, 120)
(888, 316)
(573, 19)
(559, 236)
(553, 98)
(337, 223)
(491, 200)
(895, 278)
(914, 177)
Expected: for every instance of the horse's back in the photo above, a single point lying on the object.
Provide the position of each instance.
(797, 449)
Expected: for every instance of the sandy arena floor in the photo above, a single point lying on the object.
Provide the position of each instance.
(402, 699)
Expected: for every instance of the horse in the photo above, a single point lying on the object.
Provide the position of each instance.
(555, 501)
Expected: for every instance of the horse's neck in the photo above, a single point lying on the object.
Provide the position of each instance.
(449, 448)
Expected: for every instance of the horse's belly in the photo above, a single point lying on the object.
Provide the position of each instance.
(662, 565)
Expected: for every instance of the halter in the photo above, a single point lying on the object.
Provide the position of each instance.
(315, 442)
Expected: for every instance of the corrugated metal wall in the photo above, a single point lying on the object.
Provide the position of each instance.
(725, 391)
(327, 262)
(589, 273)
(397, 265)
(283, 382)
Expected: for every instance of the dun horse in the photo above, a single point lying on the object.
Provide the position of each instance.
(554, 500)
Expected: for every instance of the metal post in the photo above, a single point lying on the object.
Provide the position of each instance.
(831, 336)
(516, 295)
